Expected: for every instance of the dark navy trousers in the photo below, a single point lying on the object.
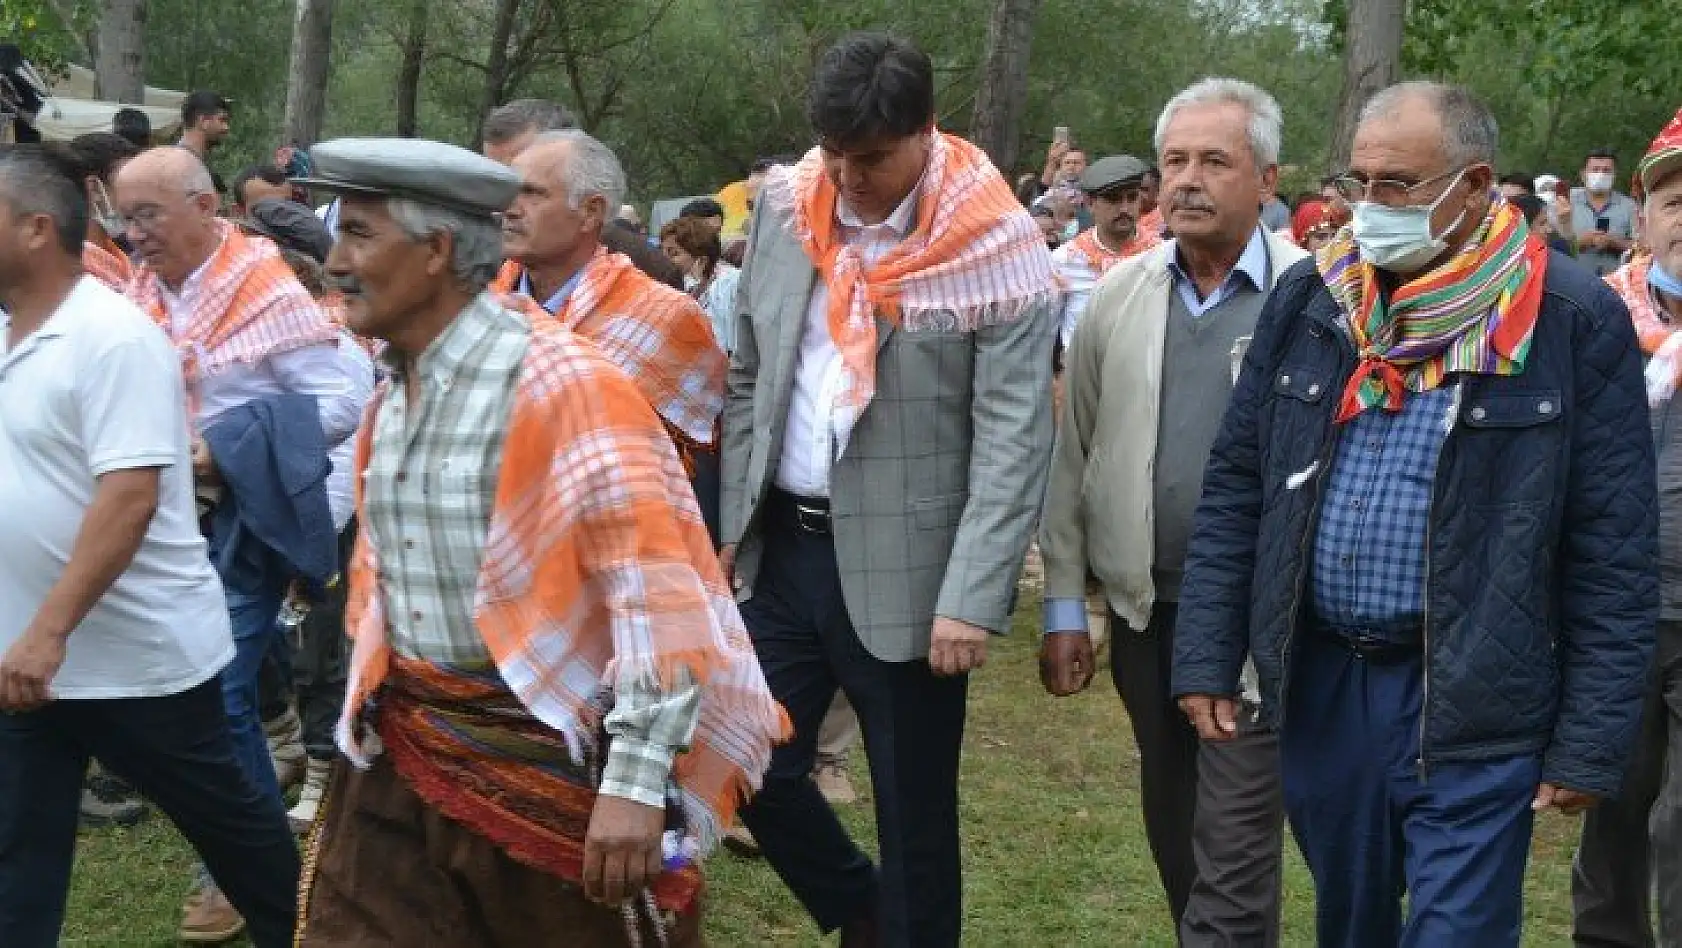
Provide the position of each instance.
(1372, 827)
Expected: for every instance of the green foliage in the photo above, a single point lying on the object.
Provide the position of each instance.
(691, 91)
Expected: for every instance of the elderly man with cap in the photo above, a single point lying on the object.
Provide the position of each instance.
(1112, 190)
(258, 356)
(1632, 843)
(1147, 374)
(553, 707)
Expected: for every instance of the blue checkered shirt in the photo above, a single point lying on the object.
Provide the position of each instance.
(1369, 553)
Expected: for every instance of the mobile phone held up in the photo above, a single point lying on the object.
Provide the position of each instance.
(1060, 135)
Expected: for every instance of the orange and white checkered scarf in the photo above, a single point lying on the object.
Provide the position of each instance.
(597, 563)
(249, 308)
(105, 262)
(974, 259)
(659, 336)
(1101, 258)
(1660, 339)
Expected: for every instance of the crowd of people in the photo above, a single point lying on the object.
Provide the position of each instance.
(540, 554)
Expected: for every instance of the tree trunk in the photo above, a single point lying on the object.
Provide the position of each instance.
(409, 73)
(119, 66)
(1372, 54)
(306, 87)
(496, 64)
(1003, 95)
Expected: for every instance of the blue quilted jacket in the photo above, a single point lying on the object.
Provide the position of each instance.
(1542, 588)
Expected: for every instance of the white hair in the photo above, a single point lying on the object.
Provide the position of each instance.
(1470, 132)
(1265, 118)
(589, 169)
(476, 252)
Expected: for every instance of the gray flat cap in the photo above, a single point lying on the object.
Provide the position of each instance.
(422, 171)
(1106, 173)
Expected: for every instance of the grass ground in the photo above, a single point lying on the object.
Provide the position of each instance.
(1054, 850)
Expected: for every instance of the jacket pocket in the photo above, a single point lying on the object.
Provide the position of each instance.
(1511, 409)
(935, 513)
(1302, 383)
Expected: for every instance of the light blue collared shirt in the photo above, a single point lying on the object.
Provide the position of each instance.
(1251, 266)
(561, 295)
(1069, 615)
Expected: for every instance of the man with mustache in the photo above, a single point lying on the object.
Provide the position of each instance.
(553, 709)
(245, 330)
(1147, 375)
(571, 186)
(1112, 188)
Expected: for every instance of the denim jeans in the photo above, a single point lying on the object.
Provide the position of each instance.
(255, 634)
(176, 751)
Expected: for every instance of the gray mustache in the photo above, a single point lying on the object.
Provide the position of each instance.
(350, 286)
(1192, 202)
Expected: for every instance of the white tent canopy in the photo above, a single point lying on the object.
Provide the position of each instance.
(72, 110)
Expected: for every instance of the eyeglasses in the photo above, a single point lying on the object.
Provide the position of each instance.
(148, 216)
(1387, 191)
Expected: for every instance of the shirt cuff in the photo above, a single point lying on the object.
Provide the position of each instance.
(1065, 615)
(636, 770)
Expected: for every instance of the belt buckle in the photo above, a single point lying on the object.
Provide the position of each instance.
(811, 519)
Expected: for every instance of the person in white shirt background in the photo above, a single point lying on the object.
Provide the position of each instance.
(115, 626)
(245, 329)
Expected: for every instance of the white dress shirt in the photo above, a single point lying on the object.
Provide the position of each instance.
(341, 488)
(311, 370)
(815, 435)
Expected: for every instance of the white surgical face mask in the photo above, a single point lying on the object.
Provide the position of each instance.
(1599, 182)
(1399, 239)
(105, 213)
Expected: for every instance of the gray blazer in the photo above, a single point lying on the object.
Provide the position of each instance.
(938, 492)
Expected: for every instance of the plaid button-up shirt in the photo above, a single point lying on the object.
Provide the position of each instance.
(428, 492)
(1369, 553)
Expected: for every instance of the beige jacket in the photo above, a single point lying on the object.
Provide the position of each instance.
(1098, 514)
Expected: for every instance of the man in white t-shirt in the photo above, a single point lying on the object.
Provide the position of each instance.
(114, 627)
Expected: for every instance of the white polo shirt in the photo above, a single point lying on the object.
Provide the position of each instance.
(98, 389)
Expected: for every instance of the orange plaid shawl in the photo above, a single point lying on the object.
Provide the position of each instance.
(974, 258)
(1101, 258)
(250, 307)
(659, 336)
(596, 564)
(105, 262)
(1659, 338)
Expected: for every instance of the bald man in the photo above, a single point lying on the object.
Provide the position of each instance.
(247, 332)
(571, 186)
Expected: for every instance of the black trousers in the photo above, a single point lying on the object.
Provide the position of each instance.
(1214, 813)
(176, 750)
(1631, 849)
(313, 670)
(913, 725)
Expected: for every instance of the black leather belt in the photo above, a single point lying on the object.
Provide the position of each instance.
(806, 514)
(1370, 645)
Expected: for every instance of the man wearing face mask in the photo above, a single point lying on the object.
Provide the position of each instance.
(1603, 219)
(1629, 851)
(104, 256)
(1430, 519)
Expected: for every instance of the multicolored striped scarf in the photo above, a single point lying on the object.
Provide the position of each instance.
(974, 259)
(1475, 313)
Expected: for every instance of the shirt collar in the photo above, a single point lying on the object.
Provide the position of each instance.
(450, 350)
(554, 303)
(1251, 265)
(899, 222)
